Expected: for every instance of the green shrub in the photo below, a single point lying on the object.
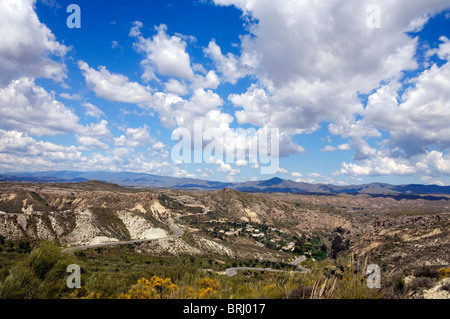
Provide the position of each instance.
(41, 275)
(421, 283)
(399, 286)
(42, 259)
(320, 255)
(302, 292)
(427, 272)
(19, 284)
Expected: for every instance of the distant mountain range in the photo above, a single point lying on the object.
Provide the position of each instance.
(271, 185)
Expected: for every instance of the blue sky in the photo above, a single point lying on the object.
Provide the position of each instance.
(353, 101)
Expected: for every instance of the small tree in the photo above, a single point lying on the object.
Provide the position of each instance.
(337, 246)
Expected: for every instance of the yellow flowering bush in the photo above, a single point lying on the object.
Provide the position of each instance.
(241, 290)
(207, 287)
(269, 287)
(155, 288)
(444, 272)
(208, 283)
(84, 293)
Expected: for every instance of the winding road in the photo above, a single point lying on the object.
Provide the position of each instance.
(233, 271)
(178, 232)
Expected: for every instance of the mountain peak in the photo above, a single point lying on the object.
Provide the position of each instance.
(272, 181)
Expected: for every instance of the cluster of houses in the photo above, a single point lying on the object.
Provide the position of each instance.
(289, 247)
(256, 233)
(248, 229)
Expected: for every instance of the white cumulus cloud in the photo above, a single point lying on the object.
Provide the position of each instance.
(165, 54)
(27, 46)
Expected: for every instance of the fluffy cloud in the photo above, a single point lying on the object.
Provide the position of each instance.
(313, 61)
(443, 51)
(176, 111)
(444, 48)
(378, 166)
(308, 62)
(176, 87)
(26, 45)
(90, 143)
(173, 110)
(92, 110)
(113, 87)
(74, 97)
(19, 151)
(330, 40)
(26, 106)
(159, 150)
(225, 168)
(209, 81)
(231, 67)
(420, 117)
(315, 57)
(134, 137)
(296, 174)
(342, 147)
(430, 163)
(97, 130)
(165, 55)
(431, 181)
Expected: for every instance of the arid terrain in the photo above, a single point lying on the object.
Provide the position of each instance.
(404, 236)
